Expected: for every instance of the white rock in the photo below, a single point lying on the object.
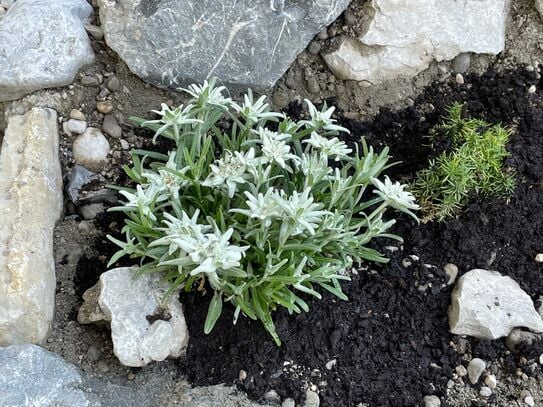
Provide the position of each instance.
(142, 328)
(485, 391)
(539, 256)
(452, 271)
(403, 37)
(487, 305)
(44, 44)
(432, 401)
(30, 205)
(476, 367)
(76, 126)
(529, 400)
(90, 149)
(491, 381)
(312, 399)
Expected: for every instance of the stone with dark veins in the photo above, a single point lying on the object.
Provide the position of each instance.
(245, 43)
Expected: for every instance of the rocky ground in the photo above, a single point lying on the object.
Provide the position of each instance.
(397, 113)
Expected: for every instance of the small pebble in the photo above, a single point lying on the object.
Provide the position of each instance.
(104, 106)
(77, 115)
(476, 367)
(330, 364)
(91, 211)
(452, 271)
(89, 80)
(532, 89)
(485, 391)
(76, 126)
(461, 63)
(350, 17)
(459, 79)
(313, 85)
(432, 401)
(93, 354)
(539, 258)
(242, 375)
(113, 84)
(529, 400)
(323, 35)
(96, 32)
(288, 403)
(461, 371)
(131, 376)
(91, 149)
(272, 395)
(124, 144)
(111, 127)
(314, 48)
(102, 367)
(491, 381)
(311, 399)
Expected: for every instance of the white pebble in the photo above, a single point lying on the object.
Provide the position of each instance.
(529, 400)
(432, 401)
(124, 144)
(532, 89)
(491, 381)
(311, 399)
(476, 368)
(459, 79)
(76, 126)
(330, 364)
(539, 258)
(485, 391)
(90, 149)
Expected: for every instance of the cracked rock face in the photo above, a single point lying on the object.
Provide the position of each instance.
(30, 205)
(43, 44)
(404, 37)
(172, 43)
(144, 328)
(487, 305)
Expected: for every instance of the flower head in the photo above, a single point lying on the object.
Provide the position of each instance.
(255, 111)
(208, 94)
(229, 171)
(275, 149)
(302, 212)
(395, 196)
(172, 119)
(262, 206)
(144, 199)
(322, 119)
(331, 147)
(168, 179)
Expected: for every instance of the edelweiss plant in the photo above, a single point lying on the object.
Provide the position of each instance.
(264, 209)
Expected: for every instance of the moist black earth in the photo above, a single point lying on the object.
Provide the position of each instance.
(390, 341)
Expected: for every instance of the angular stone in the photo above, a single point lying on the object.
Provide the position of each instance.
(487, 305)
(90, 311)
(172, 43)
(33, 376)
(402, 39)
(143, 328)
(85, 187)
(43, 45)
(30, 204)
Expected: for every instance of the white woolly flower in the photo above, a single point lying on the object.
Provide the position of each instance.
(303, 214)
(263, 207)
(208, 94)
(144, 199)
(179, 228)
(275, 149)
(322, 119)
(395, 196)
(254, 111)
(168, 181)
(229, 171)
(315, 165)
(172, 118)
(331, 147)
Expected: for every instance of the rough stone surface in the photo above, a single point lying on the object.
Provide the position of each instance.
(404, 37)
(143, 329)
(90, 149)
(487, 305)
(86, 187)
(30, 204)
(32, 376)
(243, 42)
(44, 52)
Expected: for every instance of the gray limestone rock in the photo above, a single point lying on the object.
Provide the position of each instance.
(487, 305)
(172, 43)
(30, 204)
(43, 44)
(401, 40)
(144, 328)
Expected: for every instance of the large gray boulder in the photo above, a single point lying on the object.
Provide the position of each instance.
(171, 43)
(30, 206)
(43, 44)
(402, 38)
(487, 305)
(145, 326)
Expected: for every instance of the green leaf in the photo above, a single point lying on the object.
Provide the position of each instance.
(213, 312)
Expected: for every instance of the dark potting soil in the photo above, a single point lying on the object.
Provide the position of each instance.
(390, 340)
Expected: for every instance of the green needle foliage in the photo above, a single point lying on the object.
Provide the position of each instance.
(264, 209)
(473, 165)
